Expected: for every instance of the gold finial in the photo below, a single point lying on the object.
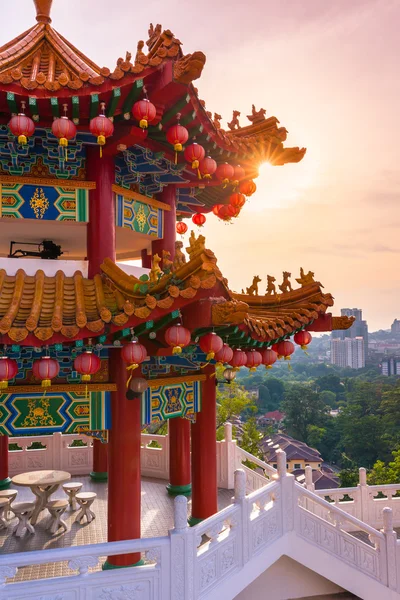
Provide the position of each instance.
(43, 8)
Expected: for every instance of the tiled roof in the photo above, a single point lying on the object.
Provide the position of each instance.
(294, 449)
(275, 414)
(321, 479)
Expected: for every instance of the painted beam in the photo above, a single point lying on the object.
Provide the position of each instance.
(33, 108)
(188, 118)
(94, 105)
(75, 109)
(132, 96)
(178, 106)
(12, 103)
(113, 102)
(55, 109)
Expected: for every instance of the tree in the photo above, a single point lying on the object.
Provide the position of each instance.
(382, 474)
(251, 438)
(328, 398)
(302, 407)
(349, 477)
(232, 401)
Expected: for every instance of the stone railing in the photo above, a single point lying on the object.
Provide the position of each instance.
(60, 452)
(222, 555)
(365, 502)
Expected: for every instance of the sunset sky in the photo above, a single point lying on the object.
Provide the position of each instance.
(329, 71)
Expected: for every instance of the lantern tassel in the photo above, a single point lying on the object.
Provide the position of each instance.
(130, 368)
(3, 385)
(210, 356)
(268, 366)
(177, 350)
(252, 369)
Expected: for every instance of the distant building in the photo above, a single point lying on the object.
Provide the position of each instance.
(298, 454)
(395, 328)
(390, 366)
(358, 329)
(322, 479)
(274, 417)
(348, 352)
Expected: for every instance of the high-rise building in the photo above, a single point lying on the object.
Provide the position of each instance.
(395, 328)
(358, 329)
(390, 365)
(348, 352)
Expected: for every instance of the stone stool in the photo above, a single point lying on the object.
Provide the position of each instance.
(3, 510)
(10, 495)
(56, 509)
(23, 511)
(71, 489)
(85, 500)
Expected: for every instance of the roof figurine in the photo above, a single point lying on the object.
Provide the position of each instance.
(257, 116)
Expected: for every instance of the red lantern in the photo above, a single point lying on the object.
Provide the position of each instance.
(216, 209)
(177, 135)
(211, 343)
(239, 359)
(101, 127)
(177, 337)
(247, 187)
(303, 338)
(87, 364)
(253, 359)
(22, 126)
(224, 355)
(8, 370)
(134, 354)
(207, 167)
(46, 369)
(225, 212)
(285, 349)
(181, 227)
(64, 129)
(238, 175)
(237, 200)
(144, 112)
(194, 154)
(275, 348)
(269, 357)
(225, 173)
(199, 219)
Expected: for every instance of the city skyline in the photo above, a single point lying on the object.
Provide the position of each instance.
(328, 72)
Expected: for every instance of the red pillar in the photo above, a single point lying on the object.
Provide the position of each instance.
(146, 259)
(179, 457)
(100, 245)
(4, 478)
(124, 486)
(168, 241)
(204, 453)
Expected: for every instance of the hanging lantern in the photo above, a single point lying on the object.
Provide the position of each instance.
(46, 369)
(177, 135)
(210, 344)
(224, 212)
(275, 348)
(87, 364)
(233, 211)
(181, 227)
(229, 375)
(238, 175)
(102, 127)
(177, 337)
(63, 129)
(199, 219)
(137, 387)
(224, 356)
(253, 360)
(144, 112)
(207, 167)
(133, 354)
(8, 370)
(216, 209)
(22, 126)
(269, 357)
(225, 173)
(239, 359)
(194, 154)
(247, 187)
(303, 338)
(237, 200)
(285, 349)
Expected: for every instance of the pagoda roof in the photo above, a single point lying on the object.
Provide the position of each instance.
(39, 309)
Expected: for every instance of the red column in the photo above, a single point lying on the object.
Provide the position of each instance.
(100, 245)
(4, 478)
(204, 453)
(179, 457)
(124, 486)
(146, 259)
(168, 241)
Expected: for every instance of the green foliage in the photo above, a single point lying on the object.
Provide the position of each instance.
(382, 473)
(232, 401)
(303, 407)
(251, 438)
(349, 478)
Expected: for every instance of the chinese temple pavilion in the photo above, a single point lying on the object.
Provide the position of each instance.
(99, 166)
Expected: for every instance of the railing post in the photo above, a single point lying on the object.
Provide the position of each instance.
(363, 510)
(309, 482)
(241, 501)
(227, 456)
(288, 498)
(58, 452)
(391, 547)
(183, 553)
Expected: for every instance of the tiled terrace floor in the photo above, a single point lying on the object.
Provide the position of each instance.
(157, 519)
